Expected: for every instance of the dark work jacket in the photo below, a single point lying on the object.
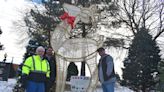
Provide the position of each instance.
(52, 62)
(104, 69)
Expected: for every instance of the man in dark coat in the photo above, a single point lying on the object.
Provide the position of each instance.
(52, 61)
(106, 71)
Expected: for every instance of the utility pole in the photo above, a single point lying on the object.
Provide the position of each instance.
(49, 37)
(83, 35)
(83, 63)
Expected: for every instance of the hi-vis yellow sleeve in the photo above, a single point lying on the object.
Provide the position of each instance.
(27, 66)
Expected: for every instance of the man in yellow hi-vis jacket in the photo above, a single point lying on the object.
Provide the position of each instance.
(35, 71)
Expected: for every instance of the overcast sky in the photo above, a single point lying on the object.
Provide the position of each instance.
(11, 12)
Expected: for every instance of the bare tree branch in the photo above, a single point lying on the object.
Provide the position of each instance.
(160, 23)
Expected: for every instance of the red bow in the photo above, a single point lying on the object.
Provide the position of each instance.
(70, 19)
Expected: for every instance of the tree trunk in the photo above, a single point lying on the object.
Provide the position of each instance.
(143, 88)
(83, 63)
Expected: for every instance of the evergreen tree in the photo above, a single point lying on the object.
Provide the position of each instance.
(72, 70)
(141, 66)
(161, 76)
(45, 22)
(31, 48)
(40, 25)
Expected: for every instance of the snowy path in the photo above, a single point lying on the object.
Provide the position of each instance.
(6, 86)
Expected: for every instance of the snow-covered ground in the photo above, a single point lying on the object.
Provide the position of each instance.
(7, 86)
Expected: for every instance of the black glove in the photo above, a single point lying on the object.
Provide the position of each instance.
(23, 80)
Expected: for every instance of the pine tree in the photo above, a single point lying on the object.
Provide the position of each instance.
(161, 76)
(141, 65)
(42, 25)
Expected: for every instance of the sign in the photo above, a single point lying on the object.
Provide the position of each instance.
(4, 71)
(79, 83)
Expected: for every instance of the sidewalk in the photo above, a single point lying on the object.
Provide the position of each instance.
(7, 86)
(118, 88)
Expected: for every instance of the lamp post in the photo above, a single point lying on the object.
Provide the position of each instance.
(5, 56)
(83, 63)
(0, 31)
(1, 46)
(84, 33)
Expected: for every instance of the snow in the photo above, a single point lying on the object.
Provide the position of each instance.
(7, 86)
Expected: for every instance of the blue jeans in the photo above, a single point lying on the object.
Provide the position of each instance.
(35, 87)
(108, 87)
